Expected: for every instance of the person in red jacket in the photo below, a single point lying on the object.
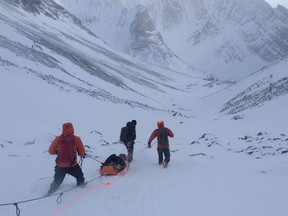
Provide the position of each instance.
(66, 147)
(162, 134)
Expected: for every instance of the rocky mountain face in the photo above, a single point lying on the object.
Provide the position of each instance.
(40, 39)
(263, 87)
(146, 43)
(229, 39)
(127, 26)
(257, 94)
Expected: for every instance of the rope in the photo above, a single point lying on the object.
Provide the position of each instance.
(17, 209)
(60, 194)
(93, 158)
(153, 143)
(81, 161)
(58, 200)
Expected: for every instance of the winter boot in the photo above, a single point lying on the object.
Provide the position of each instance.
(165, 164)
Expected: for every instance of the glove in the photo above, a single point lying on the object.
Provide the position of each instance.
(84, 156)
(149, 145)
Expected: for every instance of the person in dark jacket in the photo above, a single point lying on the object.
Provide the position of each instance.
(130, 138)
(162, 133)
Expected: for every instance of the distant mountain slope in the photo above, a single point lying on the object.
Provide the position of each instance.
(128, 27)
(262, 87)
(42, 39)
(227, 38)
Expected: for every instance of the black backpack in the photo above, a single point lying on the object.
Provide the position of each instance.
(162, 136)
(123, 134)
(115, 160)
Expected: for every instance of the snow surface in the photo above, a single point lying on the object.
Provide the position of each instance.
(274, 3)
(219, 166)
(200, 180)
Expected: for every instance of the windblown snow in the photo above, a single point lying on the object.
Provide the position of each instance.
(228, 156)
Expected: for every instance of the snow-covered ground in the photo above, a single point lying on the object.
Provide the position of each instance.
(274, 3)
(221, 164)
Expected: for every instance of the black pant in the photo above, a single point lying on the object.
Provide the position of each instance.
(166, 153)
(130, 149)
(60, 173)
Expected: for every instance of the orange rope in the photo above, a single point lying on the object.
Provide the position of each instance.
(87, 191)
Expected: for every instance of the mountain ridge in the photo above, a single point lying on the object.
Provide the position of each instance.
(227, 39)
(55, 48)
(42, 34)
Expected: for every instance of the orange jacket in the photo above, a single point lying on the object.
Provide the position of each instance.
(155, 133)
(79, 148)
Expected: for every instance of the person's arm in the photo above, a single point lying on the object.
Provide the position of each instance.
(152, 136)
(53, 147)
(79, 147)
(170, 133)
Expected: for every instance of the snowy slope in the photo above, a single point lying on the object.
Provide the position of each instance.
(127, 27)
(40, 37)
(221, 164)
(216, 161)
(275, 3)
(228, 39)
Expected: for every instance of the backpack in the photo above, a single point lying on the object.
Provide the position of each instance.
(162, 136)
(123, 134)
(66, 151)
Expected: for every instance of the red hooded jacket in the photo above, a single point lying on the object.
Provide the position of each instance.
(78, 146)
(154, 134)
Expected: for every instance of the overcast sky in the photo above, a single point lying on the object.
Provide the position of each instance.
(274, 3)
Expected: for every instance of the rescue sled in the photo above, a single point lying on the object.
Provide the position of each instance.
(114, 165)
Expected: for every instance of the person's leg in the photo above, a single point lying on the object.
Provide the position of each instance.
(130, 152)
(59, 176)
(77, 173)
(160, 155)
(166, 152)
(127, 145)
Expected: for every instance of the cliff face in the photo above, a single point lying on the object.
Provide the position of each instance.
(225, 38)
(146, 43)
(43, 41)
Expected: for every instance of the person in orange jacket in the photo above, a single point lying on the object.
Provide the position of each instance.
(162, 134)
(66, 147)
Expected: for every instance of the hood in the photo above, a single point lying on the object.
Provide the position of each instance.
(68, 129)
(160, 123)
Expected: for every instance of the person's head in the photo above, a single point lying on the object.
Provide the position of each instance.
(67, 129)
(160, 123)
(128, 124)
(134, 122)
(123, 157)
